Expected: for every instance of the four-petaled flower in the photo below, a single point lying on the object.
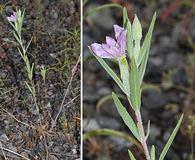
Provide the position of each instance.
(113, 48)
(13, 17)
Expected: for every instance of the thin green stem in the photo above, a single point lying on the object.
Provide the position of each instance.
(142, 134)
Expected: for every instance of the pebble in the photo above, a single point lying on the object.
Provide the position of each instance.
(90, 124)
(108, 122)
(154, 99)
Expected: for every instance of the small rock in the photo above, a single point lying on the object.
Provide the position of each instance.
(4, 138)
(52, 157)
(90, 125)
(106, 21)
(108, 122)
(173, 60)
(154, 99)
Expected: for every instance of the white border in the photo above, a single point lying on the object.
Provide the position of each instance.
(81, 80)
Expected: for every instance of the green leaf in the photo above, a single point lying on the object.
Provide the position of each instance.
(152, 153)
(131, 155)
(125, 116)
(147, 40)
(169, 142)
(135, 94)
(127, 25)
(110, 72)
(136, 29)
(148, 130)
(129, 39)
(143, 65)
(124, 70)
(125, 17)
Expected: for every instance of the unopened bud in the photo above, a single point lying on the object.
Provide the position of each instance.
(137, 29)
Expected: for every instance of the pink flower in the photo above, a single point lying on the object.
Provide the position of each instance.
(12, 18)
(113, 48)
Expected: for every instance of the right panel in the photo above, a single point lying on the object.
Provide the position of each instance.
(138, 80)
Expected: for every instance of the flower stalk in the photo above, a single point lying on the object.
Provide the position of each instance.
(142, 134)
(16, 21)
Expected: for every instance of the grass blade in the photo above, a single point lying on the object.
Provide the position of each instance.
(105, 6)
(169, 142)
(125, 116)
(111, 132)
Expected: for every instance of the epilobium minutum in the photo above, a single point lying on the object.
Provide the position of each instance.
(16, 21)
(128, 39)
(113, 48)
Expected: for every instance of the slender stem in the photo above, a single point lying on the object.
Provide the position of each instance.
(142, 134)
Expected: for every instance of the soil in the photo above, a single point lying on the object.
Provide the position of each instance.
(54, 27)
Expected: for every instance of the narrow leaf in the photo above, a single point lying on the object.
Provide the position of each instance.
(147, 40)
(142, 68)
(124, 70)
(135, 94)
(152, 153)
(29, 87)
(110, 72)
(129, 39)
(125, 116)
(169, 142)
(131, 155)
(28, 44)
(125, 17)
(148, 130)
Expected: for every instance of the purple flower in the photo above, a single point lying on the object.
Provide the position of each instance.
(12, 18)
(113, 48)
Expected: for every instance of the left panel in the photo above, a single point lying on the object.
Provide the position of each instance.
(40, 79)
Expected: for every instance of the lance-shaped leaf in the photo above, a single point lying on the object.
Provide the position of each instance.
(143, 65)
(169, 142)
(128, 27)
(131, 155)
(129, 39)
(147, 40)
(152, 153)
(124, 70)
(135, 94)
(110, 72)
(125, 116)
(125, 17)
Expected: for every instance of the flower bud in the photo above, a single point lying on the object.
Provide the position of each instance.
(137, 29)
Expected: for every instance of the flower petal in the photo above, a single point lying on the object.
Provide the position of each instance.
(122, 41)
(110, 41)
(118, 30)
(112, 50)
(12, 18)
(99, 51)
